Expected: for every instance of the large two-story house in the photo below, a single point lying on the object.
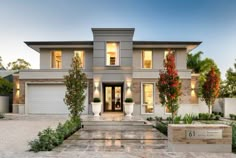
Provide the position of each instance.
(116, 67)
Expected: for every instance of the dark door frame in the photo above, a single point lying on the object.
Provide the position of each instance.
(113, 85)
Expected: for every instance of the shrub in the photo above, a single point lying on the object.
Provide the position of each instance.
(162, 127)
(177, 119)
(96, 100)
(6, 87)
(169, 119)
(150, 119)
(204, 116)
(2, 115)
(233, 135)
(188, 119)
(218, 113)
(49, 138)
(217, 117)
(231, 116)
(129, 100)
(158, 118)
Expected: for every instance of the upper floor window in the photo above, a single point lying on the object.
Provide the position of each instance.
(56, 59)
(147, 59)
(112, 54)
(167, 52)
(81, 56)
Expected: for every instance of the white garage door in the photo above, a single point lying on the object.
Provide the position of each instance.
(47, 99)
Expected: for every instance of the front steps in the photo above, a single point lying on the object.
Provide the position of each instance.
(116, 125)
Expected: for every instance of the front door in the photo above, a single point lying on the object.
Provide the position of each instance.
(113, 96)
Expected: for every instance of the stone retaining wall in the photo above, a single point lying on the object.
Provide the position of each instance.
(206, 138)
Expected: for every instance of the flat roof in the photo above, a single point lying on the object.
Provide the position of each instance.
(59, 43)
(36, 45)
(166, 42)
(113, 29)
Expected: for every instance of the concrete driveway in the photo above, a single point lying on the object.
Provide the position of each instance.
(17, 130)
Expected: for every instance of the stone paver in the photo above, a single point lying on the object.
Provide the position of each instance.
(17, 130)
(15, 134)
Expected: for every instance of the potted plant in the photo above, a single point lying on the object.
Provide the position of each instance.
(129, 106)
(96, 106)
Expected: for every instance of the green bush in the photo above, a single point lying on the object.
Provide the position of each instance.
(217, 117)
(169, 119)
(207, 116)
(49, 138)
(232, 116)
(6, 87)
(96, 100)
(150, 119)
(162, 127)
(204, 116)
(233, 135)
(188, 118)
(218, 113)
(177, 119)
(129, 100)
(158, 118)
(2, 115)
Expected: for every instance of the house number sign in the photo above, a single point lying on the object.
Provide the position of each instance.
(204, 134)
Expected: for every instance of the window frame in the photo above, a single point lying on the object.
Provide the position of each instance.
(142, 51)
(142, 92)
(51, 62)
(118, 42)
(83, 60)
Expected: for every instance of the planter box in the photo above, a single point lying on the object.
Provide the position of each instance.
(96, 107)
(199, 138)
(4, 104)
(129, 108)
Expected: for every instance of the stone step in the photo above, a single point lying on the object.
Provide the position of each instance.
(118, 127)
(117, 135)
(115, 123)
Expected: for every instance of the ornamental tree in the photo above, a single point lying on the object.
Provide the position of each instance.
(210, 88)
(169, 85)
(76, 83)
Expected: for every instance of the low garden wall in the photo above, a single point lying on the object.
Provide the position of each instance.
(226, 106)
(199, 138)
(229, 106)
(4, 104)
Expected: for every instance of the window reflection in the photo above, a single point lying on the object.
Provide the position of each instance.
(112, 54)
(56, 59)
(147, 59)
(148, 97)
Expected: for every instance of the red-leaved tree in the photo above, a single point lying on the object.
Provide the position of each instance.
(210, 88)
(169, 85)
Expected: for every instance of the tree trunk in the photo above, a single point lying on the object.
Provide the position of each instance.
(173, 116)
(209, 109)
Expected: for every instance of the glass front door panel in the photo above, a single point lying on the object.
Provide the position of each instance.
(117, 98)
(108, 99)
(113, 98)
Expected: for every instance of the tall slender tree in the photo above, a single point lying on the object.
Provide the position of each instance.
(169, 85)
(76, 83)
(210, 88)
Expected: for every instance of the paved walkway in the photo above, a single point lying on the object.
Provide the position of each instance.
(16, 132)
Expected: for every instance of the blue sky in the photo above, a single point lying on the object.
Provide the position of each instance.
(211, 21)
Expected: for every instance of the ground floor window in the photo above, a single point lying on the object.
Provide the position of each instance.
(147, 98)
